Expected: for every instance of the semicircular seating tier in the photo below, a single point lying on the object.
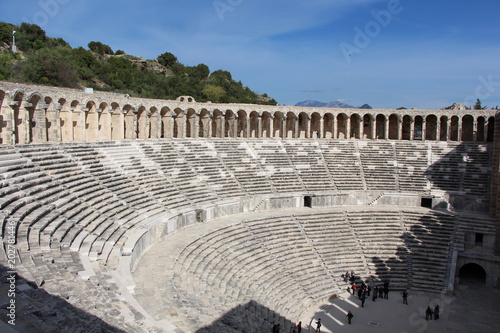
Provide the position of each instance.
(71, 213)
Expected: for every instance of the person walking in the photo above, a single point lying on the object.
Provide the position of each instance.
(375, 293)
(428, 313)
(405, 297)
(436, 312)
(318, 325)
(363, 299)
(349, 316)
(354, 289)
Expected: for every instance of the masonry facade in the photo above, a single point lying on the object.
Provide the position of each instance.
(36, 114)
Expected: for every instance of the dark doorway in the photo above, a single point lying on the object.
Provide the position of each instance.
(426, 202)
(308, 201)
(472, 274)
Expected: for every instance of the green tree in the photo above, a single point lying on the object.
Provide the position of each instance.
(100, 48)
(167, 59)
(31, 37)
(214, 93)
(50, 67)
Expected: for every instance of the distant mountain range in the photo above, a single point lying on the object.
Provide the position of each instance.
(334, 104)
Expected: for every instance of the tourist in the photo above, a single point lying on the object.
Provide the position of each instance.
(428, 313)
(405, 297)
(363, 299)
(386, 290)
(276, 328)
(348, 290)
(375, 293)
(318, 325)
(354, 289)
(299, 327)
(380, 292)
(349, 316)
(436, 312)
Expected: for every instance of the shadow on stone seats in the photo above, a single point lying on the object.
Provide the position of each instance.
(38, 311)
(250, 317)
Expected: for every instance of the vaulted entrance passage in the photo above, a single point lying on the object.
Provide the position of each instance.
(472, 274)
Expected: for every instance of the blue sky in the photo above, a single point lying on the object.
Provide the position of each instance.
(387, 53)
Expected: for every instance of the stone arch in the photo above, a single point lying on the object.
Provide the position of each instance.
(117, 124)
(406, 128)
(278, 122)
(454, 126)
(130, 122)
(481, 126)
(191, 118)
(355, 126)
(154, 123)
(65, 120)
(19, 117)
(472, 273)
(91, 122)
(418, 127)
(315, 126)
(217, 123)
(178, 122)
(368, 128)
(431, 126)
(36, 122)
(103, 122)
(444, 130)
(204, 124)
(380, 126)
(328, 126)
(490, 131)
(241, 124)
(77, 126)
(394, 127)
(230, 124)
(290, 125)
(341, 126)
(467, 128)
(166, 123)
(254, 119)
(302, 125)
(266, 124)
(51, 117)
(4, 114)
(143, 123)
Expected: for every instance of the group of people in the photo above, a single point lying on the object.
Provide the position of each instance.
(364, 291)
(429, 313)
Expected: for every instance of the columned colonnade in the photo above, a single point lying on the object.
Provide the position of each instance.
(35, 114)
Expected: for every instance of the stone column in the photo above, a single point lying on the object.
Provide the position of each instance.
(348, 128)
(7, 122)
(259, 127)
(196, 125)
(321, 128)
(223, 125)
(412, 128)
(438, 129)
(448, 130)
(424, 128)
(386, 128)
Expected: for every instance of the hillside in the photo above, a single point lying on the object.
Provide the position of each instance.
(52, 61)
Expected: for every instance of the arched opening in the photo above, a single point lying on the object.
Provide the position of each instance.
(490, 130)
(443, 133)
(467, 128)
(367, 126)
(394, 127)
(355, 126)
(472, 273)
(406, 130)
(380, 126)
(418, 123)
(431, 127)
(341, 126)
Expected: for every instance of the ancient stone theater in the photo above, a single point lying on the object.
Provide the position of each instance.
(122, 214)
